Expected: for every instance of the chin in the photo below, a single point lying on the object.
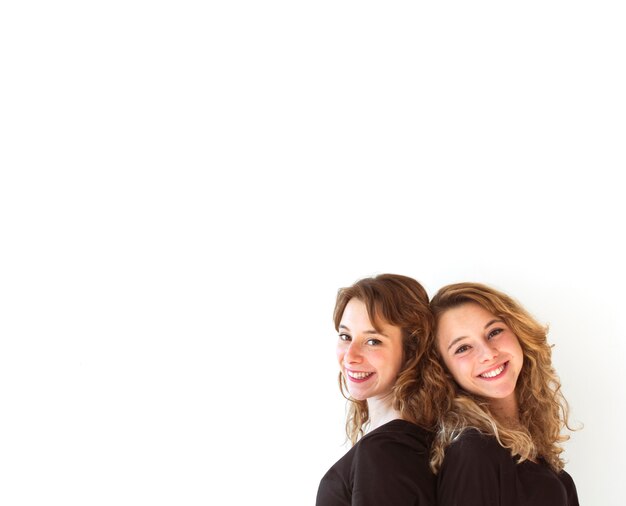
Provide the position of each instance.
(358, 396)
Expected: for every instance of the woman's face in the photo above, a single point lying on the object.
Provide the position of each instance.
(369, 360)
(481, 352)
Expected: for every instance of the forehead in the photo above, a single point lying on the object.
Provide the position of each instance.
(467, 317)
(355, 315)
(355, 310)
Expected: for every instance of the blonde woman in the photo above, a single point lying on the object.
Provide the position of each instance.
(499, 441)
(383, 324)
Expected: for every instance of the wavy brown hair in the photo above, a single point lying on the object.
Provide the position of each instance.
(543, 411)
(401, 301)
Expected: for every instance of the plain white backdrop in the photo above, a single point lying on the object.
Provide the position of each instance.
(185, 185)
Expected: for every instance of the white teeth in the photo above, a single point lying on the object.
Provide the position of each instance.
(359, 375)
(493, 373)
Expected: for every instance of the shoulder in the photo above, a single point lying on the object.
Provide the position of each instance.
(566, 479)
(397, 434)
(401, 430)
(476, 470)
(475, 454)
(473, 444)
(395, 447)
(570, 487)
(391, 466)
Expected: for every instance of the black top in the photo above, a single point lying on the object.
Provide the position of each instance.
(477, 471)
(388, 466)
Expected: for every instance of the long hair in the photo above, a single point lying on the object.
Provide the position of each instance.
(543, 411)
(401, 301)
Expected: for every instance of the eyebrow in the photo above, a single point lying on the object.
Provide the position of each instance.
(373, 332)
(491, 322)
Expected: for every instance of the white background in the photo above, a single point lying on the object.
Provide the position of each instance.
(185, 185)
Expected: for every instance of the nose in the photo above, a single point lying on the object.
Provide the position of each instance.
(488, 352)
(353, 354)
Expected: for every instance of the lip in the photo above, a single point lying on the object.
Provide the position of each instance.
(358, 380)
(503, 364)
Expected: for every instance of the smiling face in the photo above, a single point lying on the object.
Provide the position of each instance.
(482, 353)
(370, 360)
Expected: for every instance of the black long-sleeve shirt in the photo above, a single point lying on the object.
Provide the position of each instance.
(388, 466)
(477, 471)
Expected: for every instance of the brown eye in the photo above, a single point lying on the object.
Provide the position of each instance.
(494, 333)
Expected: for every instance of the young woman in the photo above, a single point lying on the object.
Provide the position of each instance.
(383, 323)
(498, 442)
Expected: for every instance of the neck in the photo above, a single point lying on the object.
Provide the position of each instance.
(381, 411)
(506, 411)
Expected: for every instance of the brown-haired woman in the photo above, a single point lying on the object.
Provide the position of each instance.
(383, 323)
(499, 441)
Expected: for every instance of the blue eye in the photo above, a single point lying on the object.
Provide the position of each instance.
(374, 342)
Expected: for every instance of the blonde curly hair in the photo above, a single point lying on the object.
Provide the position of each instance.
(543, 411)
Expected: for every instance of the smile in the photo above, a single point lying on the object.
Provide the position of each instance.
(494, 372)
(359, 375)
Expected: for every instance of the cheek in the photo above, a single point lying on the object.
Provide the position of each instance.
(397, 361)
(516, 349)
(448, 363)
(456, 369)
(520, 353)
(382, 360)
